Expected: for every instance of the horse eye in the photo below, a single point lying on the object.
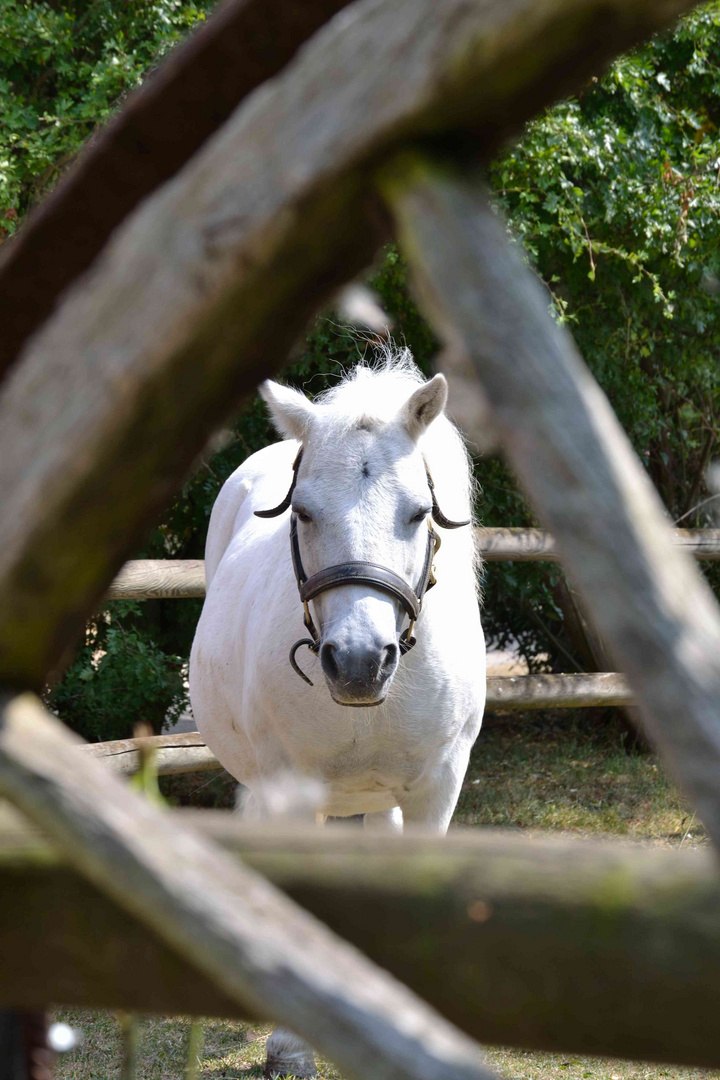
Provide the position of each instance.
(301, 514)
(420, 516)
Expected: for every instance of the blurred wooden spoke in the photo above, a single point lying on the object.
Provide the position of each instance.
(130, 1041)
(158, 129)
(601, 935)
(645, 596)
(256, 946)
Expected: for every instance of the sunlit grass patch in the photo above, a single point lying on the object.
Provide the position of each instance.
(235, 1051)
(531, 1065)
(230, 1049)
(559, 772)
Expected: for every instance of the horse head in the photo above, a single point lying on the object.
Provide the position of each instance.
(362, 504)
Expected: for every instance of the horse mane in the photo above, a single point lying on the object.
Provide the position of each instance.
(373, 394)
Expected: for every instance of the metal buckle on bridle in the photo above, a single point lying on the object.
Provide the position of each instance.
(361, 573)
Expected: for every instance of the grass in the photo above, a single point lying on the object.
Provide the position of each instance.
(540, 771)
(235, 1051)
(553, 771)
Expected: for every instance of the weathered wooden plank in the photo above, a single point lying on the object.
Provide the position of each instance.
(188, 753)
(142, 579)
(572, 946)
(583, 691)
(206, 285)
(536, 545)
(257, 947)
(172, 754)
(647, 599)
(158, 129)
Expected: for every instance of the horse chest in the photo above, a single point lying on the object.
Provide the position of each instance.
(369, 761)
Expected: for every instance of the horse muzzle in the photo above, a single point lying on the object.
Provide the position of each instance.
(359, 676)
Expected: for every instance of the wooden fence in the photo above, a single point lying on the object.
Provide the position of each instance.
(187, 752)
(488, 927)
(143, 579)
(142, 346)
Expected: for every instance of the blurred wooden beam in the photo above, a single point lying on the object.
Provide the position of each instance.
(158, 129)
(646, 598)
(536, 545)
(544, 943)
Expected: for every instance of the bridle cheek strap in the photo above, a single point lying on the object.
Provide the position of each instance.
(360, 573)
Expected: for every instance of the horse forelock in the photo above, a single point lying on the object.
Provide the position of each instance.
(370, 398)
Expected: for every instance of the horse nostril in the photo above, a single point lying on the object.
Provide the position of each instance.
(363, 666)
(389, 661)
(328, 661)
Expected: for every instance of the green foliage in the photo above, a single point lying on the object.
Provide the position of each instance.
(616, 197)
(64, 67)
(121, 676)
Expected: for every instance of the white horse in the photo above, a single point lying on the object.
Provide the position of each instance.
(372, 467)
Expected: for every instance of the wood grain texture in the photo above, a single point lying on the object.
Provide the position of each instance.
(172, 754)
(565, 945)
(204, 288)
(256, 946)
(144, 579)
(645, 596)
(583, 691)
(537, 545)
(188, 753)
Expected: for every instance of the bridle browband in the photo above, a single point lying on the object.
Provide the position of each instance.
(360, 573)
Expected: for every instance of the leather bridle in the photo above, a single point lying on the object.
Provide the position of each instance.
(360, 573)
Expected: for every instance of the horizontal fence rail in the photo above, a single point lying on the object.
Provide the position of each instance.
(615, 948)
(161, 579)
(186, 752)
(536, 545)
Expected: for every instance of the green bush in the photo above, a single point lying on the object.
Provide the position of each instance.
(64, 68)
(615, 197)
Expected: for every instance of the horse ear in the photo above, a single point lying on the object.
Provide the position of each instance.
(425, 405)
(291, 411)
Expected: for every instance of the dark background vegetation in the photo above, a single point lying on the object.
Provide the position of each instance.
(615, 195)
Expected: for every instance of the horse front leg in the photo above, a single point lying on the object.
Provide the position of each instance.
(384, 821)
(288, 1055)
(429, 803)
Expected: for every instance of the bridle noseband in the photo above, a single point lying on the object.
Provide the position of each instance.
(360, 573)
